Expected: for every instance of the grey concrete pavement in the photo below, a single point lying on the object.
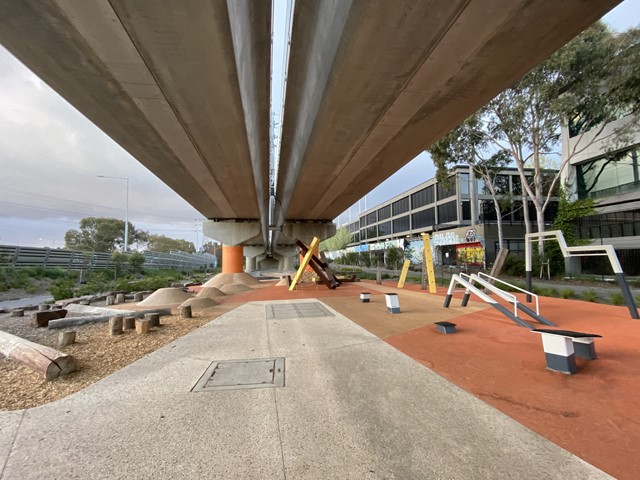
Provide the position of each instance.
(352, 407)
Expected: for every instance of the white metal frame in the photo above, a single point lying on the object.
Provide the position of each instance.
(513, 286)
(502, 294)
(584, 251)
(456, 278)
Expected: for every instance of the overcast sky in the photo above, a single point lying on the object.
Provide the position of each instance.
(51, 156)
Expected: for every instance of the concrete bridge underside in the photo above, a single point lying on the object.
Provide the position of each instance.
(184, 87)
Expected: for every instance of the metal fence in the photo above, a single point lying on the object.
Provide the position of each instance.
(14, 256)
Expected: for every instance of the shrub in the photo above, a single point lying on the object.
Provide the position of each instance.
(136, 260)
(567, 293)
(548, 292)
(617, 298)
(590, 296)
(513, 266)
(61, 289)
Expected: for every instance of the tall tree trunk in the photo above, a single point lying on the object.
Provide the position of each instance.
(525, 213)
(499, 223)
(540, 220)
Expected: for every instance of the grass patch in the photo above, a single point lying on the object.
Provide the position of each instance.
(567, 293)
(617, 298)
(590, 296)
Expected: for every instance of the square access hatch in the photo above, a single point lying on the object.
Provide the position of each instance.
(242, 374)
(284, 311)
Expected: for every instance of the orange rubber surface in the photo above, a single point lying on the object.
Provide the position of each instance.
(594, 414)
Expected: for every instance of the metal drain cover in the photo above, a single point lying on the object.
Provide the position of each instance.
(283, 311)
(239, 374)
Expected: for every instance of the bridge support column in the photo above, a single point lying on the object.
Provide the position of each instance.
(233, 234)
(288, 264)
(249, 264)
(287, 256)
(232, 259)
(306, 231)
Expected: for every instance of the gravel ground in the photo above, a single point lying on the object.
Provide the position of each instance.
(97, 353)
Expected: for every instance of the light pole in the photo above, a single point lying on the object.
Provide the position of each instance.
(126, 210)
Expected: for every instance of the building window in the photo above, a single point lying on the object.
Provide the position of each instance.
(400, 206)
(424, 218)
(514, 246)
(401, 224)
(466, 210)
(371, 218)
(384, 228)
(605, 225)
(607, 176)
(384, 213)
(446, 192)
(422, 197)
(463, 181)
(448, 212)
(372, 232)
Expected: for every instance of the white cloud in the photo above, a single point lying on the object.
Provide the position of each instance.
(50, 152)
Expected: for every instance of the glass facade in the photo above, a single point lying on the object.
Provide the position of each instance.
(446, 192)
(384, 228)
(463, 181)
(607, 225)
(384, 213)
(607, 176)
(401, 224)
(424, 218)
(400, 206)
(448, 212)
(422, 197)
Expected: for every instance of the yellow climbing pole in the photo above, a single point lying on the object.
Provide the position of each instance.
(304, 263)
(428, 258)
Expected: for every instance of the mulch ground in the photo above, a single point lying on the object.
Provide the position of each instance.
(97, 352)
(594, 414)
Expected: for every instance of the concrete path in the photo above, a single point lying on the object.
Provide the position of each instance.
(352, 407)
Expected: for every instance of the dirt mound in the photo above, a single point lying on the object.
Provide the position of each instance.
(165, 296)
(210, 292)
(231, 278)
(235, 288)
(200, 303)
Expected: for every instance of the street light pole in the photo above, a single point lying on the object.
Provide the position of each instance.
(126, 210)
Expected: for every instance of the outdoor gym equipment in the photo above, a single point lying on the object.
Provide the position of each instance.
(580, 251)
(467, 281)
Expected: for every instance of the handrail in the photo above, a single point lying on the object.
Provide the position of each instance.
(513, 286)
(509, 297)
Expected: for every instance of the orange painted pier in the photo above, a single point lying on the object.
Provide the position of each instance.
(232, 259)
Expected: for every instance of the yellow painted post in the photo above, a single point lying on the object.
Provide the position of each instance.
(304, 263)
(428, 258)
(403, 274)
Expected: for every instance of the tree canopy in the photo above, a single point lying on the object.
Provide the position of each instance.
(102, 235)
(589, 83)
(107, 235)
(339, 241)
(164, 244)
